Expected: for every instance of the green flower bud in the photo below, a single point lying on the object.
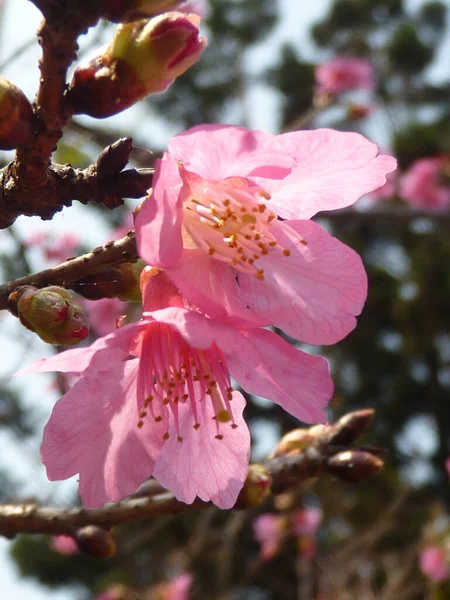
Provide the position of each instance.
(257, 486)
(51, 314)
(144, 58)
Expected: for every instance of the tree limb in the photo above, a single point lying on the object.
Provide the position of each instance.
(102, 257)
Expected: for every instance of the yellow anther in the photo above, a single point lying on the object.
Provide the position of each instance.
(223, 416)
(260, 274)
(248, 218)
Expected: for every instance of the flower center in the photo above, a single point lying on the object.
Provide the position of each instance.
(172, 373)
(232, 224)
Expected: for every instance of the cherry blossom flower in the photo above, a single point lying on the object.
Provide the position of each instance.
(103, 313)
(426, 184)
(177, 589)
(307, 521)
(155, 398)
(64, 545)
(270, 531)
(305, 524)
(434, 564)
(343, 73)
(211, 223)
(54, 248)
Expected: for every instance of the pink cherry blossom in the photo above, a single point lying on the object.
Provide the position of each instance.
(306, 521)
(211, 223)
(434, 564)
(426, 184)
(344, 73)
(269, 530)
(54, 248)
(177, 589)
(155, 398)
(103, 313)
(64, 544)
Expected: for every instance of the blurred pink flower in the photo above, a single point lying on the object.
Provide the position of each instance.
(212, 223)
(447, 465)
(426, 184)
(342, 73)
(269, 530)
(177, 589)
(306, 521)
(103, 313)
(434, 564)
(155, 397)
(54, 248)
(64, 544)
(386, 191)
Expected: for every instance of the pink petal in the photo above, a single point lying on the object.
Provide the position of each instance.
(314, 294)
(333, 169)
(202, 465)
(266, 365)
(211, 285)
(216, 152)
(78, 359)
(158, 223)
(93, 431)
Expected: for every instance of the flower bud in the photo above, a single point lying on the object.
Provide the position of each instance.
(130, 10)
(16, 116)
(51, 314)
(120, 281)
(354, 466)
(143, 58)
(351, 426)
(95, 541)
(293, 441)
(256, 487)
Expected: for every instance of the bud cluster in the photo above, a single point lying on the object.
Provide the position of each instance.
(51, 313)
(144, 57)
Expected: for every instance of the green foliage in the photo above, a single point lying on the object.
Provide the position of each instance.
(407, 52)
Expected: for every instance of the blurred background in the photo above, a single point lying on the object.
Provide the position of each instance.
(276, 66)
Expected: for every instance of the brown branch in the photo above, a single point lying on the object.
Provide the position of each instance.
(284, 470)
(103, 257)
(102, 182)
(32, 185)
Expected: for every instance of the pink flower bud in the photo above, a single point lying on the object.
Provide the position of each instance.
(15, 116)
(51, 314)
(143, 58)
